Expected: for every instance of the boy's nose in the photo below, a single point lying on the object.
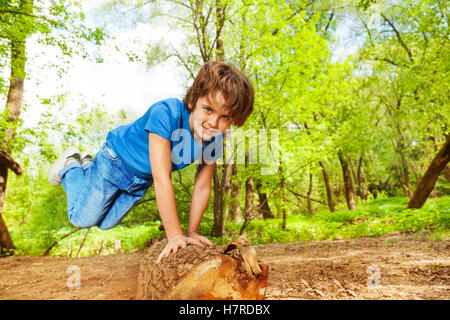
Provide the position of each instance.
(213, 122)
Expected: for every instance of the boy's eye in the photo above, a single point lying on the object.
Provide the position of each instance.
(225, 117)
(208, 110)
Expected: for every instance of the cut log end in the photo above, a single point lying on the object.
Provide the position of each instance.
(228, 272)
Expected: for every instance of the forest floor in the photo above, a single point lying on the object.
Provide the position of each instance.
(397, 266)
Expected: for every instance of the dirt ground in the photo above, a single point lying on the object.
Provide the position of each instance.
(390, 267)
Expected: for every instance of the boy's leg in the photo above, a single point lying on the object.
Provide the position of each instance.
(90, 191)
(119, 209)
(125, 202)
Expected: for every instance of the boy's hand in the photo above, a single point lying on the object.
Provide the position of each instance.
(201, 239)
(178, 241)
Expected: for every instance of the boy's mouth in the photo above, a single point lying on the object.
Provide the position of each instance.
(210, 132)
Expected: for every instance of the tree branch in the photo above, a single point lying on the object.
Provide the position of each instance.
(305, 197)
(10, 163)
(399, 38)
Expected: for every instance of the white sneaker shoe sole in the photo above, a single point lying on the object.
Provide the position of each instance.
(86, 157)
(53, 172)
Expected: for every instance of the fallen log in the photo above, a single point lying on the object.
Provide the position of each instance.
(230, 272)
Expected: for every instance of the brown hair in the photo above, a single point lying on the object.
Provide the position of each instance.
(236, 88)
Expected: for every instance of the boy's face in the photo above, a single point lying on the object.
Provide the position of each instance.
(209, 118)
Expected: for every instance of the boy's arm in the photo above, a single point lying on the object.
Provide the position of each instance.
(161, 164)
(200, 198)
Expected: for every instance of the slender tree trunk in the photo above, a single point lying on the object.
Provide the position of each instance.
(362, 192)
(5, 238)
(219, 184)
(308, 195)
(263, 206)
(348, 185)
(15, 92)
(216, 206)
(327, 187)
(426, 184)
(282, 195)
(249, 198)
(220, 21)
(352, 171)
(235, 213)
(228, 203)
(221, 191)
(221, 188)
(405, 175)
(249, 194)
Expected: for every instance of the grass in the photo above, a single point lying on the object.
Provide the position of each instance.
(372, 218)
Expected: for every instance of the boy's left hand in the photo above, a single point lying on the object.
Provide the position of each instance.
(201, 239)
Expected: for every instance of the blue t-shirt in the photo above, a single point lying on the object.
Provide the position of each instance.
(169, 119)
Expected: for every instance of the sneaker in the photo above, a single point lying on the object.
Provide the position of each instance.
(86, 158)
(69, 155)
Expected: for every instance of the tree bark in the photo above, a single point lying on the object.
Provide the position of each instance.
(249, 198)
(405, 174)
(208, 273)
(283, 196)
(5, 238)
(327, 187)
(308, 195)
(221, 189)
(362, 191)
(235, 213)
(426, 184)
(220, 185)
(217, 230)
(220, 21)
(228, 203)
(263, 206)
(348, 185)
(7, 161)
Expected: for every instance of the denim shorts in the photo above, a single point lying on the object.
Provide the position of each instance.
(102, 192)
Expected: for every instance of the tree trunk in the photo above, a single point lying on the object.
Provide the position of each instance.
(249, 198)
(308, 195)
(327, 187)
(263, 206)
(228, 204)
(405, 174)
(219, 185)
(283, 196)
(217, 230)
(362, 191)
(11, 115)
(220, 21)
(208, 273)
(235, 213)
(426, 184)
(15, 91)
(221, 189)
(348, 185)
(5, 238)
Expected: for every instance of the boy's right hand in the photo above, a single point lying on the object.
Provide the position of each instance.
(175, 242)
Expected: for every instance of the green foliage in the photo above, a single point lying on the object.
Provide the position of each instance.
(373, 218)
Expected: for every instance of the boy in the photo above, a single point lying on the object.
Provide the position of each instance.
(101, 191)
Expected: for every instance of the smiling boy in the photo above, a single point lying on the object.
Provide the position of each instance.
(147, 151)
